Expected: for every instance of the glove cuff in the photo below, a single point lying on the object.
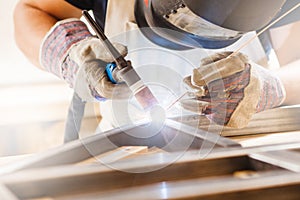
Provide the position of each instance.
(273, 92)
(56, 44)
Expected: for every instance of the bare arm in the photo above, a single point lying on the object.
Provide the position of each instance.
(286, 45)
(290, 76)
(34, 18)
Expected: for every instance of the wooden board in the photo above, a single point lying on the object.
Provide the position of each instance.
(267, 138)
(268, 186)
(275, 120)
(117, 154)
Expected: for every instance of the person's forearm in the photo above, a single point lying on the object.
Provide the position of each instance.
(290, 76)
(32, 20)
(31, 25)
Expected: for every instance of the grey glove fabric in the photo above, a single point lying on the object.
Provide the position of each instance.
(70, 52)
(235, 88)
(91, 79)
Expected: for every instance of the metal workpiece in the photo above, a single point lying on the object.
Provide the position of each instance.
(171, 136)
(140, 91)
(226, 173)
(145, 97)
(180, 162)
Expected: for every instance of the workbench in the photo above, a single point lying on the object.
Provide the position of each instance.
(186, 159)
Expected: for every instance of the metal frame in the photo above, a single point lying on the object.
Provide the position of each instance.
(175, 136)
(234, 172)
(210, 166)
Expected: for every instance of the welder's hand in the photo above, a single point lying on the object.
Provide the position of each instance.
(71, 52)
(91, 57)
(235, 88)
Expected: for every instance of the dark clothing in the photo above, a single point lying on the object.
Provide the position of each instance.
(76, 109)
(97, 6)
(99, 10)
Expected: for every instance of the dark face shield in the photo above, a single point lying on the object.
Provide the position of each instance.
(213, 24)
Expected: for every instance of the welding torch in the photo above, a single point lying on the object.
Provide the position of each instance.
(121, 70)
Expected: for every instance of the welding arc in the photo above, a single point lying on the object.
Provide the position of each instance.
(176, 100)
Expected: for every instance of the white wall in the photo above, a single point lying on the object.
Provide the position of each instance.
(29, 97)
(15, 68)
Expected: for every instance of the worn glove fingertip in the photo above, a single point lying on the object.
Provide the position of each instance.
(197, 78)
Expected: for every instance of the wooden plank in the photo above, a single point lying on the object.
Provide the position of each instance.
(66, 180)
(117, 154)
(156, 150)
(267, 139)
(286, 159)
(266, 185)
(275, 120)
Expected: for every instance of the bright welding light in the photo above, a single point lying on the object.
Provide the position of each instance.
(158, 114)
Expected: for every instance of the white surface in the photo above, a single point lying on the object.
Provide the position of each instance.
(21, 83)
(15, 68)
(31, 100)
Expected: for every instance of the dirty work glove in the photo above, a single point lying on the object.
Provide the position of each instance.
(235, 88)
(71, 52)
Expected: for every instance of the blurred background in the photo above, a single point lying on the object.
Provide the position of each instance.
(33, 103)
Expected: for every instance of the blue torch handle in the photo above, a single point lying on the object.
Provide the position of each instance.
(110, 67)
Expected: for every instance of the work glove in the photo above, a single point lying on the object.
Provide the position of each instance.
(234, 88)
(73, 54)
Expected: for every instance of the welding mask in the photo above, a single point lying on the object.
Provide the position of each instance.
(211, 24)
